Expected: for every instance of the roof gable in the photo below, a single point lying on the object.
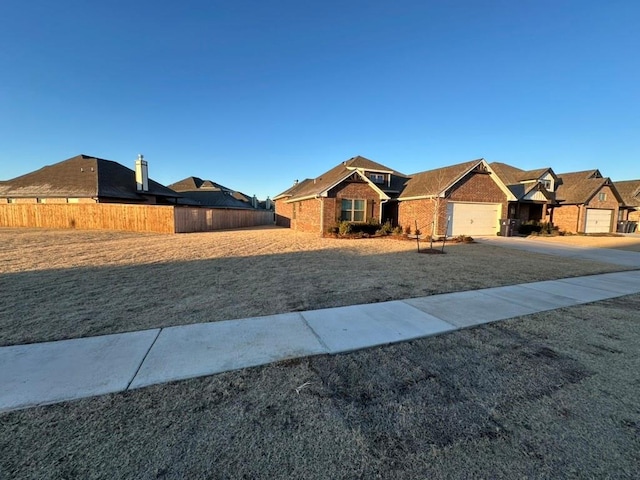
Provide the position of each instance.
(321, 185)
(580, 187)
(437, 182)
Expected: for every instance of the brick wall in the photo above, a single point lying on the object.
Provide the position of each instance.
(317, 215)
(476, 187)
(307, 216)
(421, 211)
(354, 191)
(284, 212)
(573, 218)
(565, 218)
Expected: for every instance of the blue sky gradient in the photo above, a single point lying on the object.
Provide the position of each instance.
(255, 94)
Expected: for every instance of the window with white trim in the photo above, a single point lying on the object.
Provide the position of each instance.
(602, 196)
(352, 210)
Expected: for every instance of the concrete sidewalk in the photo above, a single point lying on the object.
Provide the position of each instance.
(52, 372)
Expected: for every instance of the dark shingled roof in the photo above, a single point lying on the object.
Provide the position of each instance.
(434, 182)
(82, 176)
(579, 187)
(532, 174)
(514, 177)
(315, 186)
(629, 190)
(208, 193)
(507, 173)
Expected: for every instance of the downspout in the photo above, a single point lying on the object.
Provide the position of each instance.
(382, 202)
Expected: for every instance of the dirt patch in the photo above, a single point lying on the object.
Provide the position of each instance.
(67, 284)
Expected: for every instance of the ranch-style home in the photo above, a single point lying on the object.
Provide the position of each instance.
(87, 179)
(469, 194)
(586, 202)
(468, 198)
(357, 190)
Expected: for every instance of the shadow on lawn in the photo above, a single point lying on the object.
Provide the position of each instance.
(76, 302)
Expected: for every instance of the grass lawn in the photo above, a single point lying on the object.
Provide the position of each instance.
(57, 284)
(551, 395)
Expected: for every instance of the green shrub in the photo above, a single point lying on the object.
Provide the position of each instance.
(397, 230)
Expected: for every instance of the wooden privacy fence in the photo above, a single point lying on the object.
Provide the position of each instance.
(133, 218)
(208, 219)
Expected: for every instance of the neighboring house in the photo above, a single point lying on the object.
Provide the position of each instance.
(586, 202)
(630, 192)
(463, 199)
(210, 194)
(469, 195)
(534, 191)
(86, 179)
(357, 190)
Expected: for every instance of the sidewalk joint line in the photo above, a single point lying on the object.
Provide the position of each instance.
(315, 334)
(143, 359)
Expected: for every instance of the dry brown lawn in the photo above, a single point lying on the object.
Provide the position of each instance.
(550, 395)
(57, 284)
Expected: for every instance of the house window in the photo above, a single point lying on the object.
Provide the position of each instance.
(352, 210)
(546, 184)
(602, 196)
(11, 200)
(41, 200)
(377, 178)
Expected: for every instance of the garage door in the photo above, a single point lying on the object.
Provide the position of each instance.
(598, 221)
(473, 218)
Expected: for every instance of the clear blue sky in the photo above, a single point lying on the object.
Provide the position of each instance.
(255, 94)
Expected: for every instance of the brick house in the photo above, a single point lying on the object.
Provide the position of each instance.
(357, 190)
(360, 190)
(463, 199)
(586, 202)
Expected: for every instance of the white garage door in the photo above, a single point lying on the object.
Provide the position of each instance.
(473, 218)
(598, 221)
